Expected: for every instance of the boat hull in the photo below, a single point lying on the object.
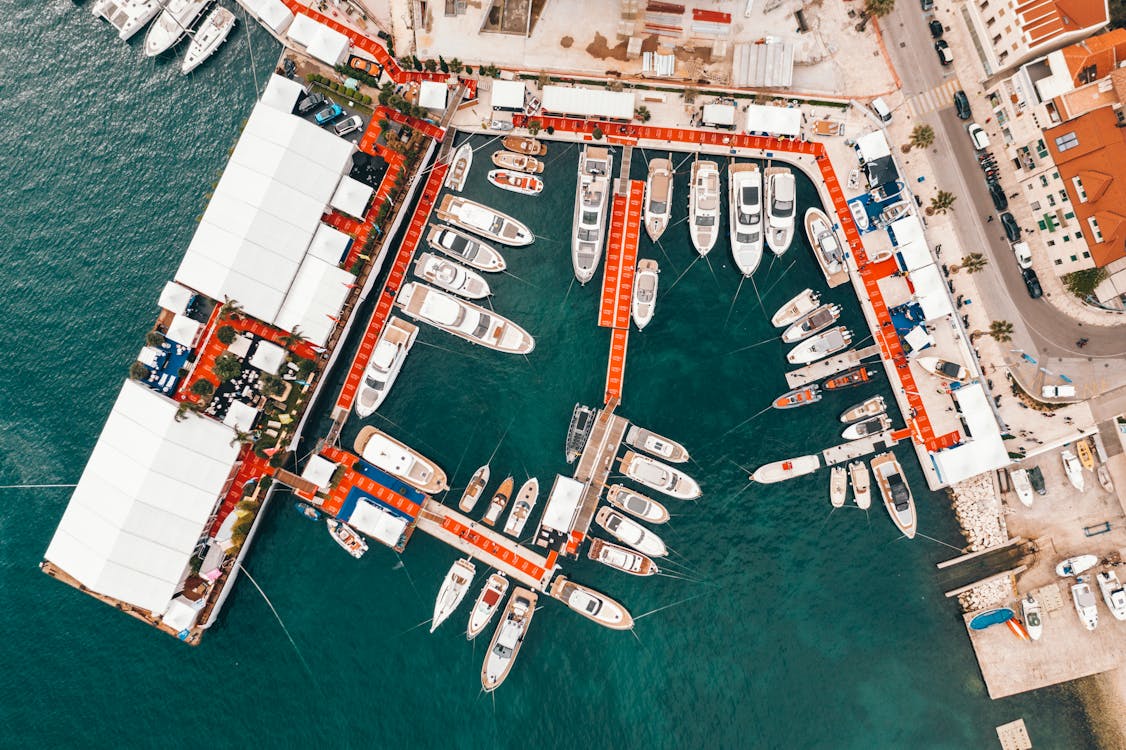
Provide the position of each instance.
(453, 590)
(486, 605)
(388, 454)
(509, 634)
(780, 471)
(659, 476)
(592, 196)
(703, 205)
(630, 532)
(459, 169)
(215, 29)
(474, 489)
(644, 300)
(621, 558)
(658, 198)
(805, 301)
(744, 216)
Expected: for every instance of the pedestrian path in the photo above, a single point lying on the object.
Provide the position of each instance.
(939, 97)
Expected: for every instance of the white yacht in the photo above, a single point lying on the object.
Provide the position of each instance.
(387, 358)
(487, 222)
(657, 445)
(944, 369)
(804, 302)
(781, 207)
(522, 507)
(1113, 593)
(820, 346)
(172, 25)
(474, 489)
(703, 205)
(1033, 621)
(628, 531)
(463, 319)
(621, 558)
(812, 322)
(1073, 469)
(897, 495)
(591, 604)
(519, 162)
(658, 197)
(636, 504)
(871, 426)
(459, 169)
(127, 16)
(470, 251)
(744, 214)
(1022, 486)
(508, 638)
(838, 486)
(865, 409)
(457, 582)
(588, 231)
(826, 246)
(208, 38)
(659, 476)
(387, 454)
(487, 604)
(644, 301)
(1085, 606)
(861, 489)
(780, 471)
(453, 277)
(347, 537)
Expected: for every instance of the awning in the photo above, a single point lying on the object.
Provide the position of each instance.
(327, 45)
(719, 114)
(881, 171)
(906, 229)
(773, 120)
(930, 291)
(918, 338)
(182, 614)
(432, 95)
(871, 146)
(329, 244)
(267, 357)
(351, 197)
(282, 94)
(377, 523)
(508, 95)
(984, 449)
(151, 356)
(240, 416)
(273, 13)
(314, 301)
(587, 102)
(183, 330)
(319, 471)
(175, 297)
(913, 255)
(763, 65)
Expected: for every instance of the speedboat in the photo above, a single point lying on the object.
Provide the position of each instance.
(515, 182)
(703, 205)
(628, 531)
(588, 231)
(1102, 473)
(208, 38)
(463, 319)
(487, 604)
(468, 250)
(499, 501)
(1022, 486)
(658, 197)
(456, 584)
(347, 537)
(806, 301)
(1030, 613)
(781, 207)
(522, 507)
(659, 476)
(445, 274)
(1085, 607)
(636, 504)
(644, 292)
(523, 145)
(519, 162)
(849, 378)
(459, 171)
(656, 445)
(621, 558)
(387, 454)
(873, 426)
(172, 25)
(591, 604)
(507, 638)
(474, 489)
(826, 246)
(387, 357)
(838, 486)
(307, 510)
(487, 222)
(744, 214)
(1113, 593)
(820, 346)
(127, 16)
(859, 214)
(1086, 458)
(1016, 627)
(861, 489)
(805, 396)
(1036, 476)
(869, 408)
(502, 125)
(779, 471)
(812, 322)
(1073, 469)
(1073, 566)
(897, 495)
(940, 368)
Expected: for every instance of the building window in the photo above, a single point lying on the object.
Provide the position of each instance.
(1067, 141)
(1063, 196)
(1079, 235)
(1086, 254)
(991, 21)
(1036, 205)
(1069, 215)
(1042, 224)
(1088, 74)
(1066, 238)
(1079, 190)
(1051, 200)
(1074, 258)
(1042, 151)
(996, 41)
(1051, 243)
(1059, 262)
(1043, 181)
(1055, 175)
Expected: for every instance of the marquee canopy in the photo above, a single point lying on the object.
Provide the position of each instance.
(773, 120)
(508, 95)
(587, 102)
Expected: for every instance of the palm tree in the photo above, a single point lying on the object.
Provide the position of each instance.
(974, 262)
(227, 367)
(430, 65)
(456, 66)
(185, 408)
(138, 371)
(879, 8)
(922, 136)
(543, 79)
(942, 202)
(203, 387)
(1001, 330)
(242, 438)
(294, 337)
(642, 114)
(230, 309)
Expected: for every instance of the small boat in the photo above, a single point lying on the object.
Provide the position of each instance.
(347, 537)
(659, 476)
(849, 378)
(940, 368)
(1033, 622)
(519, 162)
(826, 246)
(516, 182)
(658, 197)
(1022, 486)
(502, 125)
(172, 25)
(1085, 607)
(620, 558)
(812, 322)
(453, 589)
(522, 507)
(1113, 593)
(787, 469)
(463, 319)
(523, 145)
(820, 346)
(459, 169)
(991, 617)
(387, 357)
(507, 638)
(893, 213)
(703, 205)
(127, 16)
(487, 222)
(208, 38)
(487, 604)
(636, 504)
(591, 604)
(453, 277)
(628, 531)
(781, 207)
(474, 489)
(578, 432)
(859, 215)
(744, 214)
(872, 426)
(656, 445)
(897, 495)
(468, 250)
(1086, 458)
(644, 292)
(806, 301)
(387, 454)
(804, 396)
(1037, 478)
(308, 511)
(1016, 627)
(1103, 475)
(588, 229)
(499, 501)
(861, 490)
(1073, 566)
(1073, 469)
(881, 193)
(838, 486)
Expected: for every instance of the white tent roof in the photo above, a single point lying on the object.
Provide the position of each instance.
(183, 330)
(182, 613)
(769, 65)
(984, 449)
(579, 100)
(432, 95)
(268, 357)
(719, 114)
(774, 120)
(175, 298)
(918, 338)
(930, 292)
(872, 146)
(913, 255)
(508, 95)
(351, 197)
(319, 290)
(150, 355)
(562, 504)
(906, 229)
(329, 244)
(282, 94)
(327, 45)
(240, 416)
(377, 523)
(273, 13)
(143, 500)
(319, 471)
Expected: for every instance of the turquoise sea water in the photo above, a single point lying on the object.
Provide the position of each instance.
(796, 628)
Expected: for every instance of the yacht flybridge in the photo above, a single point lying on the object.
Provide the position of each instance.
(395, 340)
(658, 197)
(781, 206)
(591, 199)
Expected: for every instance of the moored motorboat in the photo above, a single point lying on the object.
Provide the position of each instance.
(788, 468)
(208, 38)
(400, 461)
(1102, 473)
(941, 368)
(1084, 602)
(812, 322)
(507, 638)
(621, 558)
(1073, 566)
(502, 125)
(861, 489)
(803, 396)
(1036, 476)
(656, 445)
(588, 229)
(744, 214)
(459, 169)
(487, 604)
(850, 378)
(347, 537)
(1083, 451)
(516, 182)
(463, 319)
(868, 408)
(805, 302)
(781, 207)
(172, 25)
(820, 346)
(896, 494)
(519, 162)
(1030, 612)
(468, 250)
(658, 197)
(127, 16)
(499, 501)
(1073, 469)
(523, 145)
(578, 432)
(488, 222)
(659, 476)
(1022, 486)
(474, 489)
(838, 486)
(1016, 627)
(1113, 593)
(630, 532)
(644, 292)
(591, 604)
(703, 205)
(453, 277)
(522, 507)
(872, 426)
(636, 504)
(387, 357)
(453, 589)
(826, 246)
(307, 510)
(859, 214)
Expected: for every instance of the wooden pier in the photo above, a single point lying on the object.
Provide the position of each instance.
(854, 449)
(594, 468)
(830, 366)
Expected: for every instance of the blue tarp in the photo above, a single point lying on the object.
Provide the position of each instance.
(356, 495)
(395, 485)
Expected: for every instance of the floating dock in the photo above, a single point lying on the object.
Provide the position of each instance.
(617, 282)
(593, 470)
(854, 449)
(830, 366)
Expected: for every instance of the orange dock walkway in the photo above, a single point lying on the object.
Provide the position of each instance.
(617, 282)
(363, 483)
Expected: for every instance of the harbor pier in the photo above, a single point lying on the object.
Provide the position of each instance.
(594, 467)
(825, 368)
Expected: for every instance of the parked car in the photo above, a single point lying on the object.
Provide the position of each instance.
(962, 105)
(978, 136)
(945, 56)
(882, 110)
(1023, 253)
(1032, 282)
(997, 193)
(936, 28)
(350, 125)
(926, 4)
(364, 65)
(1012, 229)
(310, 102)
(328, 114)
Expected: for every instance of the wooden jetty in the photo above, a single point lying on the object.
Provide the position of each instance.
(825, 368)
(594, 468)
(854, 449)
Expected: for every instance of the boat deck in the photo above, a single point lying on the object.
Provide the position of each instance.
(825, 368)
(594, 469)
(353, 479)
(854, 449)
(617, 282)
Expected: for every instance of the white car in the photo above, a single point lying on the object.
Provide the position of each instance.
(352, 124)
(1023, 254)
(978, 136)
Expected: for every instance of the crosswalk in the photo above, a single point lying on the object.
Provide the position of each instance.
(936, 98)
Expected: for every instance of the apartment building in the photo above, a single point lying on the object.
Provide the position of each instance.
(1008, 33)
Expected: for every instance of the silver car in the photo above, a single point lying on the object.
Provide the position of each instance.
(350, 125)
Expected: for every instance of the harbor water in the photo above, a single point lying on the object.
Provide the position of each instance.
(780, 625)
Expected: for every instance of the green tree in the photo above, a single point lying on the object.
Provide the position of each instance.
(456, 66)
(294, 337)
(534, 127)
(185, 408)
(597, 133)
(138, 371)
(1001, 330)
(879, 8)
(642, 114)
(543, 79)
(942, 202)
(230, 309)
(974, 262)
(226, 335)
(430, 65)
(271, 385)
(922, 136)
(690, 94)
(1082, 283)
(153, 338)
(203, 387)
(443, 65)
(227, 367)
(416, 63)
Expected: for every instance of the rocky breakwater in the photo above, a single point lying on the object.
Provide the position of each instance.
(977, 506)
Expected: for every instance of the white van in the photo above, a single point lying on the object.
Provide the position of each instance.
(880, 107)
(1058, 391)
(1023, 253)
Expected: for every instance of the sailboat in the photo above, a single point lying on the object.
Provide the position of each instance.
(172, 25)
(838, 486)
(703, 205)
(744, 214)
(507, 638)
(499, 501)
(591, 198)
(456, 583)
(861, 490)
(658, 197)
(487, 604)
(474, 489)
(522, 507)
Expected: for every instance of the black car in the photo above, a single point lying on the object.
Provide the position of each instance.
(936, 28)
(309, 103)
(926, 4)
(997, 193)
(1012, 229)
(942, 49)
(1032, 281)
(962, 105)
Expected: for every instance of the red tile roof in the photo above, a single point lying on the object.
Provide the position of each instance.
(1104, 52)
(1044, 20)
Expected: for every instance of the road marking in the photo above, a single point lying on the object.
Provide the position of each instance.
(936, 98)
